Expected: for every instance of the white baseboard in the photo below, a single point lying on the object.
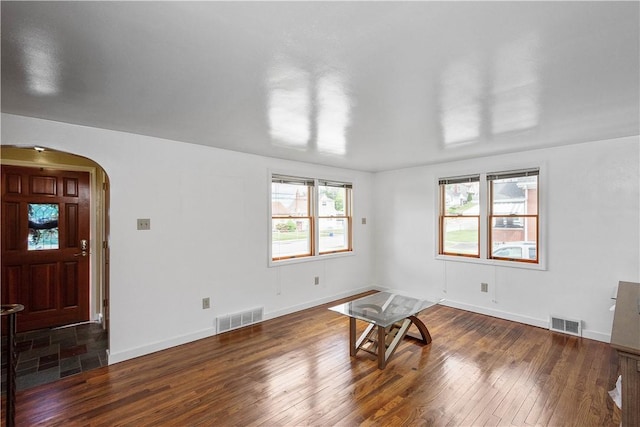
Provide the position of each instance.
(596, 336)
(121, 356)
(205, 333)
(541, 323)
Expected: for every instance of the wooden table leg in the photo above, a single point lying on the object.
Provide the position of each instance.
(353, 348)
(383, 351)
(382, 348)
(426, 336)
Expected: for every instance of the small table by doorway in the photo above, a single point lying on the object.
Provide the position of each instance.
(389, 316)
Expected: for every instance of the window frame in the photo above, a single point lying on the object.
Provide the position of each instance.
(491, 177)
(348, 217)
(313, 200)
(442, 183)
(303, 182)
(486, 226)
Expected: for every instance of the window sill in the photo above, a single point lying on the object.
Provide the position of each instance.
(314, 258)
(497, 263)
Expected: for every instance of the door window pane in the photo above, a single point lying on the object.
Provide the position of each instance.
(43, 226)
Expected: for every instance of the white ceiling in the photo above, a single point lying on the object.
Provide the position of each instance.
(363, 85)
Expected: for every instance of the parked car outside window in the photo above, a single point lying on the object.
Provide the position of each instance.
(516, 250)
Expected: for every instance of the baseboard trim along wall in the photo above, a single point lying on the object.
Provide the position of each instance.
(131, 353)
(121, 356)
(208, 332)
(541, 323)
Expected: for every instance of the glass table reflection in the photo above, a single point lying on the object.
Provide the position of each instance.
(389, 316)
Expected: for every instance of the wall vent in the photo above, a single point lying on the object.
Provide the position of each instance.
(229, 322)
(566, 326)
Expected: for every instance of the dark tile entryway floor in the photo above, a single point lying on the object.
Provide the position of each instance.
(47, 355)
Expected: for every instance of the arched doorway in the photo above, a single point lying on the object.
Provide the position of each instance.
(43, 180)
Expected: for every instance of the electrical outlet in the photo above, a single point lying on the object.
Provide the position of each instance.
(316, 281)
(144, 224)
(484, 287)
(364, 221)
(206, 303)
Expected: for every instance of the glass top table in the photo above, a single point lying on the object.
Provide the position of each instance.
(389, 316)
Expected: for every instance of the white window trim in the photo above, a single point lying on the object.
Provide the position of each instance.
(318, 178)
(484, 211)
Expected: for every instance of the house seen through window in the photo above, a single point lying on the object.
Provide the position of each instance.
(460, 216)
(506, 223)
(309, 217)
(513, 215)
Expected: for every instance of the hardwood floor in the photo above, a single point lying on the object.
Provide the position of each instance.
(296, 370)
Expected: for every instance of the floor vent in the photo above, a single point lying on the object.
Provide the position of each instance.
(229, 322)
(566, 326)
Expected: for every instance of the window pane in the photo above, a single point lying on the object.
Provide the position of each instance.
(509, 252)
(289, 200)
(515, 196)
(334, 234)
(517, 242)
(461, 236)
(290, 237)
(43, 226)
(462, 198)
(331, 201)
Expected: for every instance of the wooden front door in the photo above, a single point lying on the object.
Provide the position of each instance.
(45, 245)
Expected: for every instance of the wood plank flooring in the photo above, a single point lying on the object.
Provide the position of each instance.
(296, 370)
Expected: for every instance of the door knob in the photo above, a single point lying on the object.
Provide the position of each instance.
(84, 245)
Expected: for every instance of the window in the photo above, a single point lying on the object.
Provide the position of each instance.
(508, 228)
(334, 217)
(43, 226)
(291, 220)
(513, 215)
(309, 217)
(460, 216)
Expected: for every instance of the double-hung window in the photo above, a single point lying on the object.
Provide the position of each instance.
(291, 217)
(460, 216)
(334, 217)
(503, 227)
(309, 217)
(513, 215)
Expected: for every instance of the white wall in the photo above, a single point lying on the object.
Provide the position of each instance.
(590, 204)
(208, 237)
